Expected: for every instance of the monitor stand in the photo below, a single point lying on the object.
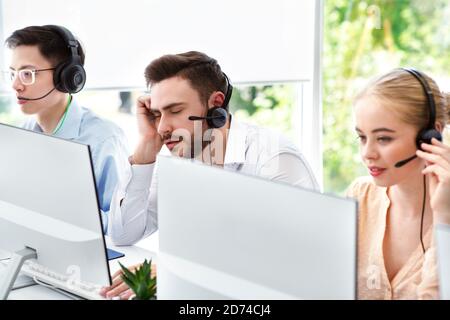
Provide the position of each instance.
(13, 268)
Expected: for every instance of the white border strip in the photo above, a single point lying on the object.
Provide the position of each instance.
(216, 281)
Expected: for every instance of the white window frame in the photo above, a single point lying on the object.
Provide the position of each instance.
(310, 103)
(2, 49)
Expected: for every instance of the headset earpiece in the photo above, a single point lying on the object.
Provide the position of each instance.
(216, 117)
(69, 77)
(426, 135)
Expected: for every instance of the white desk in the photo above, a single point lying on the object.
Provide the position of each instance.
(133, 255)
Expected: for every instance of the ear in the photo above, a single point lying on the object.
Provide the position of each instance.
(438, 127)
(216, 99)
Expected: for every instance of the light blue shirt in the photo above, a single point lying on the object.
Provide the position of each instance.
(108, 146)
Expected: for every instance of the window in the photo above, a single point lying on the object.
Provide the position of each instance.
(267, 47)
(363, 38)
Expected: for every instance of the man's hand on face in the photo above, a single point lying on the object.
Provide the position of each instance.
(151, 142)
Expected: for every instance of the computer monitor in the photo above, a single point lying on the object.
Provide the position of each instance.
(224, 235)
(48, 203)
(443, 248)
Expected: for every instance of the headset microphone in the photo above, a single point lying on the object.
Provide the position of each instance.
(403, 162)
(34, 99)
(193, 118)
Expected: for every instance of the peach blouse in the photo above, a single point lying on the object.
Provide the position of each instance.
(417, 279)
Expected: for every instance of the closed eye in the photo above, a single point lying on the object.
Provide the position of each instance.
(384, 139)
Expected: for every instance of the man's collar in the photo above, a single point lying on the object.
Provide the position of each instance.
(236, 143)
(70, 129)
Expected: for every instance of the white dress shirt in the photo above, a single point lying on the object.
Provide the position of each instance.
(250, 150)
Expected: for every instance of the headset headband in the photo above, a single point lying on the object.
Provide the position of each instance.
(428, 93)
(68, 38)
(228, 93)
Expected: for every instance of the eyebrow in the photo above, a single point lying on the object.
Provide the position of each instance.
(170, 105)
(378, 130)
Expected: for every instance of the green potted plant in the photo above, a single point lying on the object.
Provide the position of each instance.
(140, 281)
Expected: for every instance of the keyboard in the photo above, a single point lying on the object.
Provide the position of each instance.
(50, 278)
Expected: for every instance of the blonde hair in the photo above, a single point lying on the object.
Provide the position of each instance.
(405, 96)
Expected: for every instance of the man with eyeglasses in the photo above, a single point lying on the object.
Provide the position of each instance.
(46, 68)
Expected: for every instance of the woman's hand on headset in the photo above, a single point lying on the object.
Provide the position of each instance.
(150, 142)
(437, 157)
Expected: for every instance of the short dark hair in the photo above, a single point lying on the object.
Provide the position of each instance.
(202, 71)
(50, 43)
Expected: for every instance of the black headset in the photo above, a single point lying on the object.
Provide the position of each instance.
(217, 115)
(69, 75)
(424, 136)
(427, 133)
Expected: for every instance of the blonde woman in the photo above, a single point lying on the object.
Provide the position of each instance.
(409, 191)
